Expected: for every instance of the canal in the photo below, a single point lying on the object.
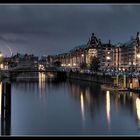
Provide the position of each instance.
(72, 107)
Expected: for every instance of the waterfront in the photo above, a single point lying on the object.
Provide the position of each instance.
(72, 107)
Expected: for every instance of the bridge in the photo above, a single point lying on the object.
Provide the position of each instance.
(60, 75)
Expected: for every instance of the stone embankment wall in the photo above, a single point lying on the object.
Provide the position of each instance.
(91, 77)
(102, 79)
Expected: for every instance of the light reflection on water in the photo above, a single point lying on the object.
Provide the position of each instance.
(62, 108)
(42, 80)
(82, 106)
(0, 96)
(108, 106)
(138, 107)
(138, 110)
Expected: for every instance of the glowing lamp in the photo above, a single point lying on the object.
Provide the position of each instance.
(138, 55)
(108, 58)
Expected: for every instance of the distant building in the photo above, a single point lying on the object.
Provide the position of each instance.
(24, 60)
(128, 54)
(85, 53)
(120, 56)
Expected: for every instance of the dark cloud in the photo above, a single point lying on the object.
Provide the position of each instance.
(13, 38)
(52, 29)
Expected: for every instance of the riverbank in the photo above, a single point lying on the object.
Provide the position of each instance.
(91, 77)
(120, 82)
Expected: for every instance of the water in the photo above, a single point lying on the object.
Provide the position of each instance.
(72, 108)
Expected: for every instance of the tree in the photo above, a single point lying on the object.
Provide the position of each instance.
(57, 63)
(95, 64)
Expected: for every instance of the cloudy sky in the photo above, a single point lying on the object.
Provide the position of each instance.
(53, 29)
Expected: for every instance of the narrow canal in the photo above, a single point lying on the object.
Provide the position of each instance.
(72, 107)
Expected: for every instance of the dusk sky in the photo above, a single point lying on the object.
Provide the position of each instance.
(54, 29)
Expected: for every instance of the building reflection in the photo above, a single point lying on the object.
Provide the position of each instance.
(83, 94)
(92, 99)
(108, 106)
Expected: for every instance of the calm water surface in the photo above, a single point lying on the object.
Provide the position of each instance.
(72, 108)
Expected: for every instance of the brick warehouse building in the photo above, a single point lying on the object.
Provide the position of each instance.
(120, 56)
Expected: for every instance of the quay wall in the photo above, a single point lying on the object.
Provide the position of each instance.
(91, 77)
(101, 79)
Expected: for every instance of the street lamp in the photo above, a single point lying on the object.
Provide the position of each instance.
(74, 64)
(138, 55)
(108, 52)
(108, 57)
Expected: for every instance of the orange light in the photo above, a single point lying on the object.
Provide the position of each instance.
(138, 55)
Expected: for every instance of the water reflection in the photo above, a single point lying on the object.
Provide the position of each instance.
(42, 84)
(84, 91)
(138, 110)
(97, 108)
(82, 106)
(131, 94)
(42, 80)
(0, 96)
(108, 106)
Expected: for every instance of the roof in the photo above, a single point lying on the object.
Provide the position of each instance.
(130, 43)
(79, 47)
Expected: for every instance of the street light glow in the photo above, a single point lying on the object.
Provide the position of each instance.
(108, 58)
(138, 55)
(1, 55)
(74, 64)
